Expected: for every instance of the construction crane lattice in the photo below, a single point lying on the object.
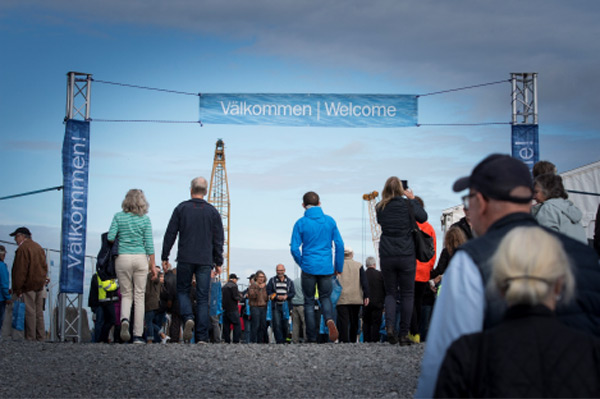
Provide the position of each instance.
(218, 196)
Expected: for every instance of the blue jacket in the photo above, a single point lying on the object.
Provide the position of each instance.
(315, 232)
(4, 283)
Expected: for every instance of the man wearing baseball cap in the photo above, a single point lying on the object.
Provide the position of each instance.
(28, 279)
(499, 199)
(231, 315)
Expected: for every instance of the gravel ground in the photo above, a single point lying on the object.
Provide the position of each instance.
(67, 370)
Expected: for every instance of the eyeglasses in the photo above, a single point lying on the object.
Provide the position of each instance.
(466, 199)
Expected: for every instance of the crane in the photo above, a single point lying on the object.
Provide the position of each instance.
(371, 199)
(218, 196)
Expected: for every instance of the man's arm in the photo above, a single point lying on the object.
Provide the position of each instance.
(218, 240)
(458, 310)
(295, 244)
(170, 236)
(291, 289)
(271, 287)
(339, 250)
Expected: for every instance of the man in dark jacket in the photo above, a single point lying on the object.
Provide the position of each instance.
(280, 290)
(231, 315)
(499, 199)
(374, 310)
(200, 230)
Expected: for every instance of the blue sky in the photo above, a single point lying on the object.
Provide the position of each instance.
(379, 47)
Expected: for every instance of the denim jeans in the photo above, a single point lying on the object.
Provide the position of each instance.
(258, 330)
(185, 272)
(98, 323)
(309, 282)
(153, 320)
(279, 323)
(2, 309)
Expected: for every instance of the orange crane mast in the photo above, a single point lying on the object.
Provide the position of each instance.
(218, 196)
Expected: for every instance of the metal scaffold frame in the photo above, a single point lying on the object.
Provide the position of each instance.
(218, 196)
(79, 91)
(524, 98)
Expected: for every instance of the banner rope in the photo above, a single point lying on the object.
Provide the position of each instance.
(147, 88)
(463, 88)
(58, 188)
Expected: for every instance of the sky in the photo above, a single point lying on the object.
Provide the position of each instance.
(263, 46)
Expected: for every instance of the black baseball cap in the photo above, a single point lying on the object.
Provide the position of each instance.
(233, 276)
(22, 230)
(496, 176)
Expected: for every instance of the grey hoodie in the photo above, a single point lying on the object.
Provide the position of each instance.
(561, 215)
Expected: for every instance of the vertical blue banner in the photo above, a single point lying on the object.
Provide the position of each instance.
(75, 157)
(525, 144)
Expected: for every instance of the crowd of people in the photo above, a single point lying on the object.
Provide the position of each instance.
(515, 287)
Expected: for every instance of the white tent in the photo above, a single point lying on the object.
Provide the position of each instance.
(583, 186)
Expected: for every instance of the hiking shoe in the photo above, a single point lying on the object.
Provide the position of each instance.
(188, 330)
(391, 336)
(333, 332)
(125, 337)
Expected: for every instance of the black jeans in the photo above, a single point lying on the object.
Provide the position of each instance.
(347, 322)
(232, 318)
(371, 323)
(399, 276)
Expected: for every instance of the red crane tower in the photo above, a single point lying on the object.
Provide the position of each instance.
(218, 196)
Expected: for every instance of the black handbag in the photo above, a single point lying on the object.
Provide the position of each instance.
(424, 248)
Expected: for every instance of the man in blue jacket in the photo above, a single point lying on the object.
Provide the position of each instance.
(311, 244)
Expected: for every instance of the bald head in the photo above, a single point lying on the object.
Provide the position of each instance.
(199, 187)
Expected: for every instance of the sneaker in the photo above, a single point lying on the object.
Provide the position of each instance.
(414, 338)
(138, 340)
(406, 341)
(188, 330)
(333, 332)
(125, 337)
(202, 343)
(165, 339)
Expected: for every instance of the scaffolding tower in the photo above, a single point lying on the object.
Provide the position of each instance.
(218, 196)
(70, 305)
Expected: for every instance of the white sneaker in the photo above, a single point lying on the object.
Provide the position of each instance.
(165, 339)
(125, 337)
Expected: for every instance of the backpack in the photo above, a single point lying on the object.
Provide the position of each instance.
(105, 265)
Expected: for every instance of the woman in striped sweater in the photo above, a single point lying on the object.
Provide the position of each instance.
(136, 257)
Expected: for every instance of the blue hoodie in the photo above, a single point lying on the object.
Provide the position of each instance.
(315, 233)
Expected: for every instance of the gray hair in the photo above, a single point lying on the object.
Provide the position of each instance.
(199, 185)
(371, 261)
(527, 265)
